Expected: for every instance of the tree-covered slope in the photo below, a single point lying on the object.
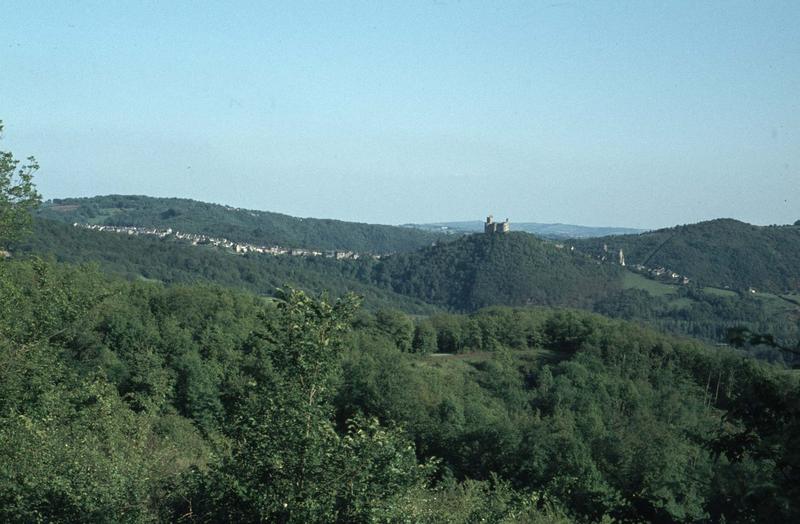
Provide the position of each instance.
(172, 262)
(257, 227)
(137, 402)
(520, 270)
(462, 276)
(721, 253)
(481, 270)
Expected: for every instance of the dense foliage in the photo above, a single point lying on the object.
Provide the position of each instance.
(706, 315)
(17, 195)
(135, 402)
(481, 270)
(461, 276)
(721, 253)
(169, 261)
(239, 225)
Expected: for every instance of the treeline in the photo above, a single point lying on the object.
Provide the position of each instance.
(462, 276)
(709, 316)
(135, 402)
(132, 402)
(519, 270)
(239, 225)
(722, 253)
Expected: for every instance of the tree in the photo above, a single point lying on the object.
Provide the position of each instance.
(18, 195)
(397, 326)
(288, 462)
(763, 424)
(424, 338)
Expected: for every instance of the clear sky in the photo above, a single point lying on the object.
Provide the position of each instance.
(641, 114)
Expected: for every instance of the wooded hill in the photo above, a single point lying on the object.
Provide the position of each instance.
(187, 397)
(239, 225)
(723, 253)
(464, 275)
(516, 269)
(174, 262)
(521, 270)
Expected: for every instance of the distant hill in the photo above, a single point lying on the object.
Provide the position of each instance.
(722, 253)
(516, 269)
(241, 225)
(552, 231)
(463, 274)
(174, 262)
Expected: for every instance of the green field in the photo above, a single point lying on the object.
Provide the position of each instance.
(524, 357)
(631, 280)
(720, 292)
(791, 297)
(779, 304)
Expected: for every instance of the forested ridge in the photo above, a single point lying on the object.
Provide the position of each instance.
(240, 225)
(173, 262)
(461, 276)
(520, 270)
(480, 270)
(723, 253)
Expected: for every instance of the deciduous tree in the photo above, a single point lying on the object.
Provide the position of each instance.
(18, 195)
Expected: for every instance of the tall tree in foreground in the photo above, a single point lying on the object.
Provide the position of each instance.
(18, 195)
(288, 462)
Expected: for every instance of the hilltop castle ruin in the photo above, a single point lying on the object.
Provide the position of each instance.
(491, 227)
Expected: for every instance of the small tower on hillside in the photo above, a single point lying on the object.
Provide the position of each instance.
(491, 227)
(621, 258)
(505, 227)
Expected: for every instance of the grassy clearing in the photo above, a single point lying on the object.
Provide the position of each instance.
(779, 304)
(681, 303)
(529, 357)
(631, 280)
(720, 292)
(791, 297)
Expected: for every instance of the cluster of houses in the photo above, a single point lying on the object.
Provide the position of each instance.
(658, 273)
(662, 273)
(223, 243)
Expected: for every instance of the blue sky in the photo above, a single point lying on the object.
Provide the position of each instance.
(641, 114)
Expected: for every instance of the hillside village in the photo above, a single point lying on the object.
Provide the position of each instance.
(490, 228)
(224, 243)
(656, 273)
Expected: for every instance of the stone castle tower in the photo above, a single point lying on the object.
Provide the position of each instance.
(491, 227)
